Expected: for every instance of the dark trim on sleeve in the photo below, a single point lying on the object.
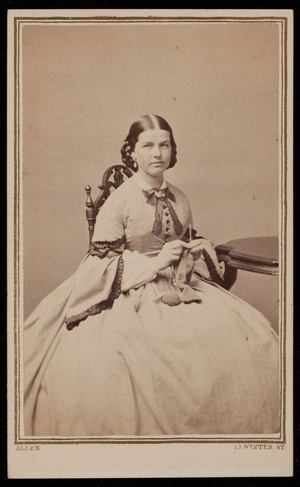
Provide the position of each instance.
(101, 248)
(105, 304)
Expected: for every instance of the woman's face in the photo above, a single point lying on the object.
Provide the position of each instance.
(153, 153)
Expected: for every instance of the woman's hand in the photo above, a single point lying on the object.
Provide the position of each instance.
(170, 253)
(196, 249)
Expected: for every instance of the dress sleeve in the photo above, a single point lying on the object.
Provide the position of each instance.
(108, 269)
(110, 233)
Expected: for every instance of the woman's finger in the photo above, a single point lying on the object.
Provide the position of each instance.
(174, 244)
(197, 248)
(177, 253)
(194, 243)
(185, 245)
(205, 244)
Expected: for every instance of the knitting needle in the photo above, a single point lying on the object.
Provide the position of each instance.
(155, 251)
(190, 231)
(159, 239)
(172, 266)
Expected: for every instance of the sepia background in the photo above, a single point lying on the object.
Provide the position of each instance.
(217, 85)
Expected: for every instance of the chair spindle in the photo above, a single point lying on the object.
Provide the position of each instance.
(90, 213)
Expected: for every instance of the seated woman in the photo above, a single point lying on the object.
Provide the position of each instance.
(132, 344)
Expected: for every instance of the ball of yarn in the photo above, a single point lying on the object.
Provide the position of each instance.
(171, 298)
(189, 295)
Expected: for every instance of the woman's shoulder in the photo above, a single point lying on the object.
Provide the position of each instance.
(178, 193)
(126, 188)
(123, 193)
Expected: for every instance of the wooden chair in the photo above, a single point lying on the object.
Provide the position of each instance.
(112, 178)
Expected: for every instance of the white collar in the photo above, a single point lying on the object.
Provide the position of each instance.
(143, 185)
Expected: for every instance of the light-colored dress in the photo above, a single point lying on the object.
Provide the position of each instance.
(141, 367)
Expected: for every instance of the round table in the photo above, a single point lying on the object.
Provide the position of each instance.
(258, 254)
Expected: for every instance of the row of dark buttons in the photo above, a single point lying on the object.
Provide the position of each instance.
(167, 222)
(167, 214)
(166, 235)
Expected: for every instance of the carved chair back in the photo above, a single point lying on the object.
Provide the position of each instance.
(113, 177)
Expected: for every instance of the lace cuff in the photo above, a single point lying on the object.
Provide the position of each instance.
(101, 248)
(105, 304)
(212, 269)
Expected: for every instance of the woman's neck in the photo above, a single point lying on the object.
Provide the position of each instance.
(153, 181)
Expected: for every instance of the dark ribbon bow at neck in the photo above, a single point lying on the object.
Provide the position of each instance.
(155, 193)
(160, 197)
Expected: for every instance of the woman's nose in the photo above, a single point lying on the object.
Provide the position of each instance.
(157, 151)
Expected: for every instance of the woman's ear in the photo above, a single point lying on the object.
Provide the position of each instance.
(133, 156)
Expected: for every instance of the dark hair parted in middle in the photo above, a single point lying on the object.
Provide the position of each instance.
(146, 122)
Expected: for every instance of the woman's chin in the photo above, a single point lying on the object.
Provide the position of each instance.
(157, 169)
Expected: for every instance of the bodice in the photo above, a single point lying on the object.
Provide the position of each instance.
(127, 211)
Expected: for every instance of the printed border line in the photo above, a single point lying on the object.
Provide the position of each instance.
(145, 440)
(286, 211)
(17, 260)
(281, 222)
(16, 231)
(283, 188)
(150, 18)
(283, 21)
